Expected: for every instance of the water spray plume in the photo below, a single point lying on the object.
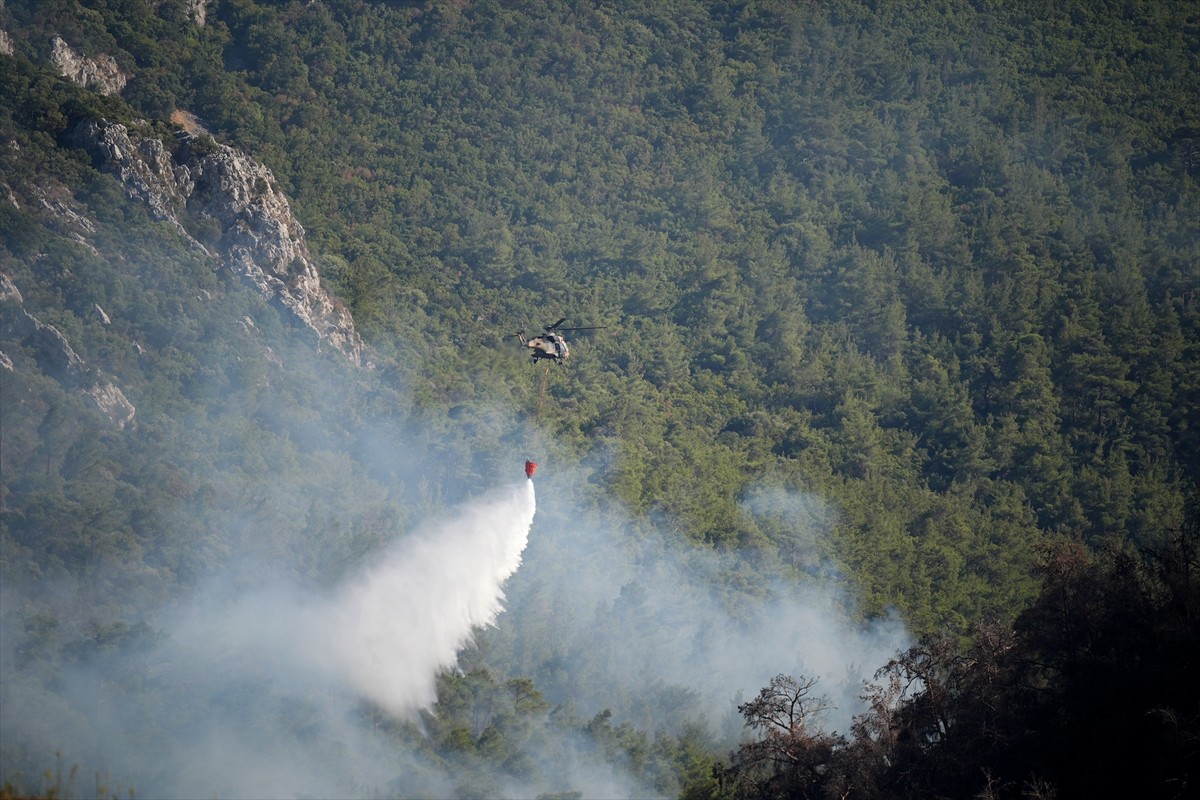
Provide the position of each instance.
(401, 622)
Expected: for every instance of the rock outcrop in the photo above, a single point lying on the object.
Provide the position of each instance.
(98, 72)
(198, 10)
(57, 358)
(259, 237)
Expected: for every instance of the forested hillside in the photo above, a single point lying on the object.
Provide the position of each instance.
(897, 314)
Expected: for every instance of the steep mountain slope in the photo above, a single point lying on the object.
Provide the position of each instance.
(937, 282)
(895, 296)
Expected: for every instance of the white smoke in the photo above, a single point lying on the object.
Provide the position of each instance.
(666, 633)
(260, 693)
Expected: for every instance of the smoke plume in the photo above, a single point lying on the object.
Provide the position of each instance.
(261, 693)
(667, 634)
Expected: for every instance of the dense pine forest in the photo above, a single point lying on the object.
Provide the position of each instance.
(875, 472)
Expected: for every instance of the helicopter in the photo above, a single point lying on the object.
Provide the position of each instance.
(551, 343)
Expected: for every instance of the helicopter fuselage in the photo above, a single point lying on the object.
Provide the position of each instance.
(549, 345)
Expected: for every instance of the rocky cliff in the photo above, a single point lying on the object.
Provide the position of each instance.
(57, 358)
(197, 180)
(194, 183)
(98, 72)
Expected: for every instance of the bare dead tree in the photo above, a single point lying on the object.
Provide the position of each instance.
(790, 757)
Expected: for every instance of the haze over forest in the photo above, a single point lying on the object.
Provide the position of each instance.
(874, 472)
